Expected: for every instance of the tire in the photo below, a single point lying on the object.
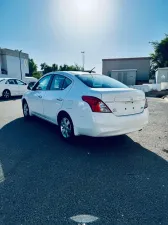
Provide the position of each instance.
(25, 108)
(6, 94)
(66, 127)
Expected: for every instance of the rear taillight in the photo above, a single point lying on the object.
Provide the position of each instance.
(146, 103)
(96, 104)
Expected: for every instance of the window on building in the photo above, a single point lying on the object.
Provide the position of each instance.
(3, 71)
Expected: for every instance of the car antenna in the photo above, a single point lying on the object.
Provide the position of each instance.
(91, 70)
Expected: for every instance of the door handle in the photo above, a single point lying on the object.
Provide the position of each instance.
(59, 99)
(39, 96)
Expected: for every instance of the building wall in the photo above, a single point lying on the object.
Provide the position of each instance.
(127, 77)
(10, 61)
(13, 65)
(142, 65)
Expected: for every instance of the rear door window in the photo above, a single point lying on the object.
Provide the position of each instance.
(57, 82)
(66, 83)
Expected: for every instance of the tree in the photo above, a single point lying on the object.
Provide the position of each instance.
(64, 67)
(46, 68)
(32, 67)
(54, 67)
(37, 75)
(78, 68)
(75, 67)
(43, 65)
(159, 58)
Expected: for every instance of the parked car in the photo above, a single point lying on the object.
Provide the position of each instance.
(86, 104)
(12, 87)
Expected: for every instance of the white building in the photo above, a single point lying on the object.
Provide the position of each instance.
(13, 63)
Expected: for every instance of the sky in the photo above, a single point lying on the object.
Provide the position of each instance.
(56, 31)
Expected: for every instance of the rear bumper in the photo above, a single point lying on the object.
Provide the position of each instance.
(104, 125)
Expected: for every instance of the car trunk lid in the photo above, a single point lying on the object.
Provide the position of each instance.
(122, 101)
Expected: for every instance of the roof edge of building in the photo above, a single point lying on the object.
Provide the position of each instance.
(16, 53)
(132, 58)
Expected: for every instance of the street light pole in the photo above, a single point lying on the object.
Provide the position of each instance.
(83, 60)
(20, 64)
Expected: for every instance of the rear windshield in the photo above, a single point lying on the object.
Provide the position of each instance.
(100, 81)
(1, 80)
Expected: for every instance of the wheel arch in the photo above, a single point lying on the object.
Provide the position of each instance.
(63, 112)
(23, 101)
(6, 89)
(60, 114)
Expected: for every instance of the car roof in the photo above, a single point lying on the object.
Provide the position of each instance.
(7, 78)
(69, 74)
(78, 72)
(73, 73)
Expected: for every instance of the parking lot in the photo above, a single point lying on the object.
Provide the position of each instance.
(120, 180)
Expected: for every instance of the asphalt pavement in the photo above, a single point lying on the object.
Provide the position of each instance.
(44, 180)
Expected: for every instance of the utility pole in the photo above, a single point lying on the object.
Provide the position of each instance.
(20, 64)
(83, 59)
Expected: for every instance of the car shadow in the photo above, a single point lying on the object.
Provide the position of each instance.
(44, 180)
(12, 98)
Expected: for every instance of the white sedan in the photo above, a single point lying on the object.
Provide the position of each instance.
(86, 104)
(11, 87)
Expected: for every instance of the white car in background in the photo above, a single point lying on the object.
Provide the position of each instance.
(12, 87)
(86, 104)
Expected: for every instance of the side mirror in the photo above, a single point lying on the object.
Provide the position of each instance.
(31, 86)
(28, 87)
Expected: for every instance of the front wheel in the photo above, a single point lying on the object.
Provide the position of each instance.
(26, 110)
(6, 94)
(66, 127)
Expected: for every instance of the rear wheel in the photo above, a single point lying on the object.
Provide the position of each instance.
(66, 127)
(26, 110)
(6, 94)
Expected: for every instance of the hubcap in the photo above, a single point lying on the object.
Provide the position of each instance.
(66, 128)
(25, 109)
(6, 94)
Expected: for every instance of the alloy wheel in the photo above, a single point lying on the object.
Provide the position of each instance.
(6, 94)
(66, 127)
(25, 110)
